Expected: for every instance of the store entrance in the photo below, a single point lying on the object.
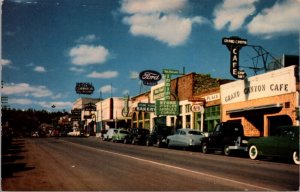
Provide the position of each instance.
(256, 119)
(276, 121)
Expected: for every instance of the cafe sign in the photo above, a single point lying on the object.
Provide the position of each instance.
(274, 83)
(234, 45)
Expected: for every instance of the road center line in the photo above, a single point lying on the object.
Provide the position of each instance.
(178, 168)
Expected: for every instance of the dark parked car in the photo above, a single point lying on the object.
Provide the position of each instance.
(226, 137)
(159, 136)
(137, 136)
(285, 143)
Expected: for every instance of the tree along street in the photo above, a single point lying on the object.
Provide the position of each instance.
(91, 164)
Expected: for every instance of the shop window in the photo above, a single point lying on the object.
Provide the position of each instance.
(187, 108)
(147, 115)
(188, 121)
(172, 121)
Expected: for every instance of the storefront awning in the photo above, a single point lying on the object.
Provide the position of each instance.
(278, 105)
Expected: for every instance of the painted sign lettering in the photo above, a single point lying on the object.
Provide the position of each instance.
(84, 88)
(150, 77)
(234, 45)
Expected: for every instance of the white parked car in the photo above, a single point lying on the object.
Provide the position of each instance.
(109, 134)
(75, 132)
(185, 138)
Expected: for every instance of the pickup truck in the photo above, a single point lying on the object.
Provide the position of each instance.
(226, 137)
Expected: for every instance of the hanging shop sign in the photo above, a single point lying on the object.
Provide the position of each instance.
(76, 114)
(167, 89)
(198, 107)
(125, 110)
(234, 45)
(146, 107)
(166, 107)
(150, 77)
(90, 107)
(84, 88)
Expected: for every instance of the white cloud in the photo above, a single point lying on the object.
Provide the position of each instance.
(76, 69)
(40, 69)
(107, 89)
(103, 75)
(232, 13)
(5, 62)
(44, 104)
(133, 75)
(126, 92)
(150, 6)
(160, 20)
(283, 17)
(86, 55)
(86, 39)
(26, 90)
(20, 101)
(57, 104)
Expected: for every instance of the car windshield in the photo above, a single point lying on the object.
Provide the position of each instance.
(195, 133)
(124, 132)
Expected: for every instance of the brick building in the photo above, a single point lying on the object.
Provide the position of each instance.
(263, 101)
(183, 88)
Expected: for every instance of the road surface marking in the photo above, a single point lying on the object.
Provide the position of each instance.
(178, 168)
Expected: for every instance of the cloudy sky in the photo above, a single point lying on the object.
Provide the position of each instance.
(50, 45)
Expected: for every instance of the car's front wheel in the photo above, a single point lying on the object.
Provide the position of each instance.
(253, 152)
(204, 148)
(296, 157)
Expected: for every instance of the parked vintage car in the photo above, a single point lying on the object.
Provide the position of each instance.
(137, 136)
(109, 134)
(159, 135)
(120, 135)
(186, 138)
(75, 132)
(284, 143)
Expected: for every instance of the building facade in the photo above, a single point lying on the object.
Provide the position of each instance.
(263, 102)
(111, 113)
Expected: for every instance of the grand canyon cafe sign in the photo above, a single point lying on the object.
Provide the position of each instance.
(234, 45)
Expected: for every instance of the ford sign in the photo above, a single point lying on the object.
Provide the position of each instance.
(150, 77)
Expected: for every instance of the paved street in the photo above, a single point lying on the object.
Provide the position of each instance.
(92, 164)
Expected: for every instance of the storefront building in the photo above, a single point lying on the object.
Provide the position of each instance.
(85, 115)
(111, 113)
(140, 110)
(182, 89)
(263, 102)
(210, 114)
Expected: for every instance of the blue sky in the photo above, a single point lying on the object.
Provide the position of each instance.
(50, 45)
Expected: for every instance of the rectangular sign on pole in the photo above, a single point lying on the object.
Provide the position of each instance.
(170, 71)
(166, 107)
(147, 107)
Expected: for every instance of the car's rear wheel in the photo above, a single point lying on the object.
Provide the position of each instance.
(158, 143)
(253, 152)
(296, 157)
(148, 143)
(204, 148)
(226, 150)
(133, 142)
(168, 144)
